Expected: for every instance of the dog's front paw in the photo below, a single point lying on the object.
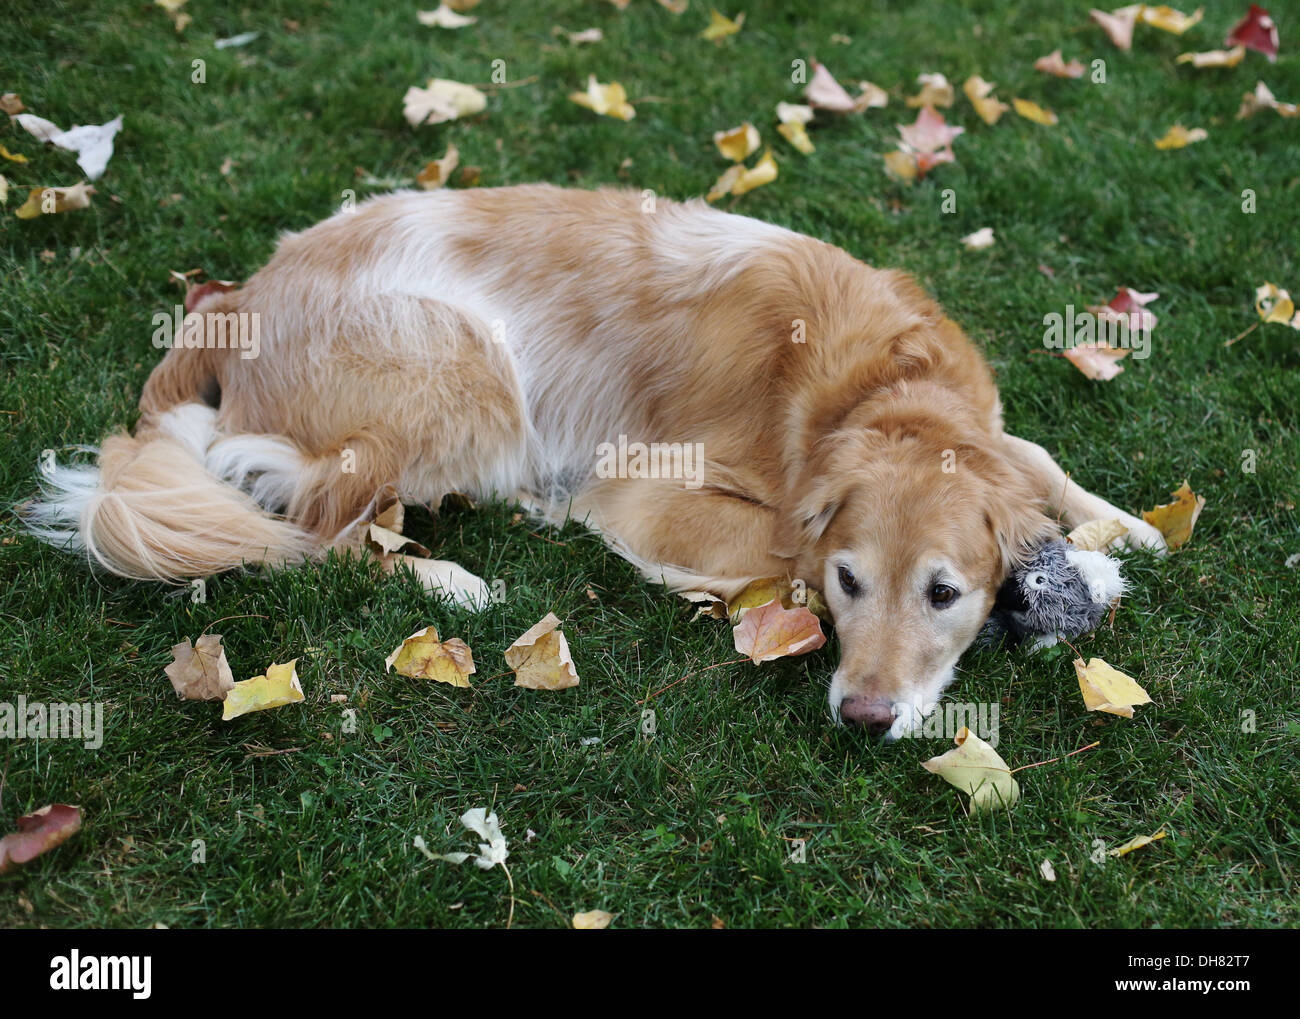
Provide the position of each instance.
(1142, 535)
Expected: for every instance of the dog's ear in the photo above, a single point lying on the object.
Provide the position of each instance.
(810, 504)
(1018, 525)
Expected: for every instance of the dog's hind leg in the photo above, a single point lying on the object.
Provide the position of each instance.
(1074, 505)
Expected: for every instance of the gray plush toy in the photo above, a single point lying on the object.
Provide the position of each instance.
(1061, 591)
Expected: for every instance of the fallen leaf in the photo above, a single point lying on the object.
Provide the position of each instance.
(979, 240)
(1128, 306)
(738, 143)
(443, 17)
(492, 852)
(709, 604)
(720, 27)
(93, 143)
(929, 133)
(200, 671)
(441, 101)
(275, 689)
(1098, 361)
(739, 180)
(797, 135)
(609, 100)
(975, 768)
(11, 103)
(1119, 24)
(759, 592)
(1047, 870)
(1262, 99)
(1179, 137)
(435, 173)
(1096, 535)
(1107, 689)
(587, 35)
(13, 157)
(38, 833)
(771, 631)
(50, 201)
(1170, 20)
(540, 658)
(4, 190)
(989, 107)
(593, 920)
(1055, 64)
(173, 8)
(1137, 843)
(1213, 58)
(825, 93)
(935, 91)
(901, 165)
(423, 656)
(675, 6)
(794, 113)
(1274, 304)
(1256, 31)
(1176, 520)
(1034, 112)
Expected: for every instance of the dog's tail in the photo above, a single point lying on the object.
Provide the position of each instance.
(169, 503)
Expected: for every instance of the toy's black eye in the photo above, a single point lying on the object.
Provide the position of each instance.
(941, 596)
(848, 581)
(1036, 579)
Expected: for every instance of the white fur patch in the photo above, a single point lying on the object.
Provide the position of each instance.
(66, 492)
(193, 425)
(266, 467)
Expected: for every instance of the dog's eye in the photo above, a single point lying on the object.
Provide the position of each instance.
(941, 596)
(848, 581)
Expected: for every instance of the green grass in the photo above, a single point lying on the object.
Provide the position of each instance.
(695, 823)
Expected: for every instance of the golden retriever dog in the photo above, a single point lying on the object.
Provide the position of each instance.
(722, 399)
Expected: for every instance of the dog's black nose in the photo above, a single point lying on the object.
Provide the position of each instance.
(873, 714)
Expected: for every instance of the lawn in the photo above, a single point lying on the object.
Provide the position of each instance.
(304, 823)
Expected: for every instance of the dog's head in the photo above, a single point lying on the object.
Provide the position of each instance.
(908, 524)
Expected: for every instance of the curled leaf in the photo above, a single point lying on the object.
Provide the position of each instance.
(608, 100)
(200, 671)
(1176, 520)
(770, 631)
(975, 768)
(38, 833)
(423, 656)
(1107, 689)
(540, 658)
(275, 689)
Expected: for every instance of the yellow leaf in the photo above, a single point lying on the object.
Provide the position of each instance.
(989, 107)
(738, 180)
(975, 768)
(278, 687)
(440, 101)
(49, 201)
(540, 658)
(738, 143)
(437, 171)
(797, 135)
(1179, 137)
(1170, 20)
(594, 920)
(609, 100)
(720, 27)
(423, 656)
(1137, 843)
(1098, 361)
(1096, 535)
(1213, 58)
(13, 157)
(200, 671)
(935, 91)
(901, 165)
(173, 8)
(1034, 112)
(792, 113)
(1175, 520)
(770, 631)
(1107, 689)
(1275, 305)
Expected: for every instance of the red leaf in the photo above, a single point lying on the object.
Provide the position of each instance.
(38, 833)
